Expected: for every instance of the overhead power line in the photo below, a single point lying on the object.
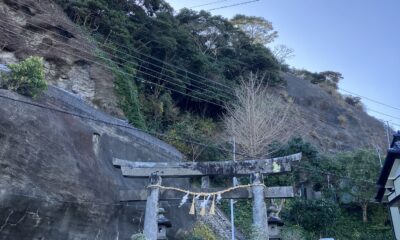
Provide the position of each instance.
(108, 67)
(369, 99)
(126, 126)
(333, 174)
(82, 201)
(233, 5)
(383, 114)
(239, 154)
(224, 93)
(143, 80)
(188, 73)
(192, 95)
(208, 4)
(125, 73)
(194, 74)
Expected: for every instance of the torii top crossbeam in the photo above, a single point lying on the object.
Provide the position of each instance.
(190, 169)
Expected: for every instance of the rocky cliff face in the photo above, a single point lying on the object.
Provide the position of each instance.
(330, 123)
(57, 178)
(25, 30)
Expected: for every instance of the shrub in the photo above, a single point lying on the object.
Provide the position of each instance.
(257, 234)
(27, 77)
(293, 233)
(313, 216)
(138, 236)
(202, 232)
(128, 98)
(243, 214)
(354, 101)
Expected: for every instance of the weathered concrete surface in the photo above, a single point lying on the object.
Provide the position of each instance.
(57, 180)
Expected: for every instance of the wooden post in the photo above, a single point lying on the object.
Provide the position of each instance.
(151, 214)
(260, 220)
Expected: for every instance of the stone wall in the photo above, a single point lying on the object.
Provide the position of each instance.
(57, 180)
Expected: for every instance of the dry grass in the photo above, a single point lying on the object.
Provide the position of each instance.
(342, 120)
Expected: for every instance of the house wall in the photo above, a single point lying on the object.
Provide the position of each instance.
(395, 212)
(395, 201)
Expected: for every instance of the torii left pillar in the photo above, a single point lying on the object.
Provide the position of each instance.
(151, 214)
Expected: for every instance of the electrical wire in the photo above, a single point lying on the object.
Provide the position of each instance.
(383, 114)
(369, 99)
(163, 62)
(126, 126)
(233, 5)
(335, 126)
(201, 93)
(327, 123)
(134, 63)
(130, 127)
(175, 83)
(334, 174)
(143, 54)
(118, 70)
(105, 122)
(208, 4)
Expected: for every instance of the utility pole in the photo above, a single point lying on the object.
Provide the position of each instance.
(234, 182)
(387, 132)
(379, 155)
(329, 182)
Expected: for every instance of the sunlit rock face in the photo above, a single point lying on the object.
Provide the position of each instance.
(41, 28)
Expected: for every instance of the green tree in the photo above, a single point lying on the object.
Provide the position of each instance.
(362, 169)
(258, 29)
(194, 129)
(315, 216)
(27, 77)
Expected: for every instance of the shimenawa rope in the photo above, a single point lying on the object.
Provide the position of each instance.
(205, 195)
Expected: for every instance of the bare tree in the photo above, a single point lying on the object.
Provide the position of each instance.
(283, 53)
(257, 118)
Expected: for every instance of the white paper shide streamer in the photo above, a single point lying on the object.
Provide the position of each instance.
(184, 199)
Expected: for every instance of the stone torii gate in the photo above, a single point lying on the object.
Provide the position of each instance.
(156, 170)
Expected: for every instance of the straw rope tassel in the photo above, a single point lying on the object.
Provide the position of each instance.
(192, 208)
(203, 207)
(212, 209)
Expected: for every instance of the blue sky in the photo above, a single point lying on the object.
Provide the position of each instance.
(359, 38)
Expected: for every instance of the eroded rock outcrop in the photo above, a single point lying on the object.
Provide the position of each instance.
(41, 28)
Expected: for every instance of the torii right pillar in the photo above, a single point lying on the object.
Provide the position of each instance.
(260, 219)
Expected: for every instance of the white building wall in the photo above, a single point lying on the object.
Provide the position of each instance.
(395, 212)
